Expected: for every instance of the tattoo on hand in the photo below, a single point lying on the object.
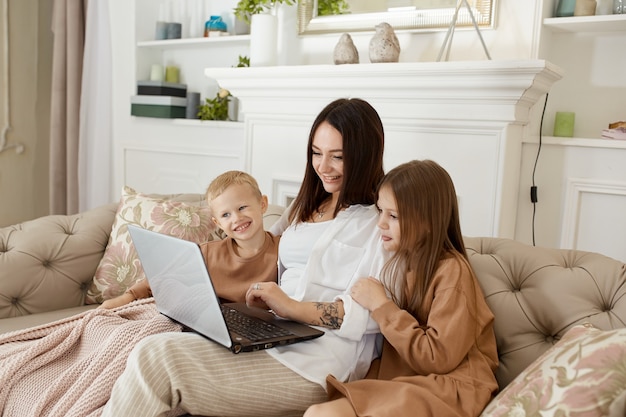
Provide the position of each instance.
(329, 315)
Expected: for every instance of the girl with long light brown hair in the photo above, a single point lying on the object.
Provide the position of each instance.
(439, 351)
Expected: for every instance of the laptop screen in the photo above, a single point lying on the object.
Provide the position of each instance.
(180, 282)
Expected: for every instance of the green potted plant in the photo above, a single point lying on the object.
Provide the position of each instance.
(242, 62)
(223, 104)
(246, 8)
(215, 108)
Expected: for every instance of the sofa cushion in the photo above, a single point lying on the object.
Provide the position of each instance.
(47, 264)
(185, 216)
(559, 382)
(537, 294)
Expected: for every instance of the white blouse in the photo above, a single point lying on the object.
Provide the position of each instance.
(320, 262)
(294, 252)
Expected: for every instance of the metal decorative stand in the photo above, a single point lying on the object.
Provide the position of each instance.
(447, 42)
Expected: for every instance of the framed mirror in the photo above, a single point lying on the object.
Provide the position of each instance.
(414, 15)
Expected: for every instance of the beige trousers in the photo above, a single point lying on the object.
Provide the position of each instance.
(187, 373)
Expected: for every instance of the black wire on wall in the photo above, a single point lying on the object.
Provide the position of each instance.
(533, 187)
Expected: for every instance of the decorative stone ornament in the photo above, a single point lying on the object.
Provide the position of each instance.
(384, 45)
(345, 52)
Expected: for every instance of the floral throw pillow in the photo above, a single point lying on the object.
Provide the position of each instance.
(120, 268)
(583, 374)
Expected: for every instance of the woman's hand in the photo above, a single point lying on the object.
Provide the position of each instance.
(269, 296)
(369, 292)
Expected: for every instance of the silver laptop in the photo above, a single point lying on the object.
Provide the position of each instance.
(183, 291)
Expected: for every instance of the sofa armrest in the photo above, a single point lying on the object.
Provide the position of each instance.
(272, 215)
(47, 264)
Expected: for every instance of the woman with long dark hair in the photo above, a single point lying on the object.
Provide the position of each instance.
(329, 239)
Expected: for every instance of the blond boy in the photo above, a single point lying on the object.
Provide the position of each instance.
(246, 256)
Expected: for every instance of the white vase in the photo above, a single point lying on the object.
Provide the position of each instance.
(263, 40)
(288, 48)
(196, 18)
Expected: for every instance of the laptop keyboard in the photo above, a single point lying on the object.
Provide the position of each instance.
(250, 327)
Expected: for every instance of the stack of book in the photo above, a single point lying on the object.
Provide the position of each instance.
(159, 99)
(616, 130)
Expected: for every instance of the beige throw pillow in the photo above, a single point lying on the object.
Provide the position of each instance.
(120, 267)
(583, 374)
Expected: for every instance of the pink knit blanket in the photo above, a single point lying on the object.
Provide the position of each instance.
(68, 367)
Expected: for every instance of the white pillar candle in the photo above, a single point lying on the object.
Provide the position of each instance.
(263, 40)
(156, 72)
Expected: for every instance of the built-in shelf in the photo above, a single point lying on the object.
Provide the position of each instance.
(193, 42)
(602, 23)
(228, 124)
(585, 142)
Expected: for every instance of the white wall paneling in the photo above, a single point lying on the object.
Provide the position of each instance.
(172, 171)
(453, 145)
(276, 153)
(285, 190)
(165, 156)
(581, 187)
(593, 211)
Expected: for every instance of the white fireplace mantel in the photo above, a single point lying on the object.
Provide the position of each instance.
(503, 86)
(468, 116)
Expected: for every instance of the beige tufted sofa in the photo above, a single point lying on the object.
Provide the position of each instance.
(535, 293)
(47, 264)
